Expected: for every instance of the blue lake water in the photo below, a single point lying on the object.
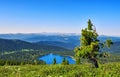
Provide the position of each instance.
(49, 59)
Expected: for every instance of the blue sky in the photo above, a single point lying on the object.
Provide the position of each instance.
(63, 16)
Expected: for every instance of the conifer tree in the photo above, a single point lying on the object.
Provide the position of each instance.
(54, 61)
(67, 62)
(63, 61)
(90, 45)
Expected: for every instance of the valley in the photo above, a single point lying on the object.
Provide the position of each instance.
(27, 52)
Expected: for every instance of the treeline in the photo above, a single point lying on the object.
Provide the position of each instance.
(64, 61)
(112, 58)
(8, 62)
(27, 56)
(21, 57)
(15, 62)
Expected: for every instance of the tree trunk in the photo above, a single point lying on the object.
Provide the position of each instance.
(95, 62)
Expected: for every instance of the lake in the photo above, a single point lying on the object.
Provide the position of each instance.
(49, 59)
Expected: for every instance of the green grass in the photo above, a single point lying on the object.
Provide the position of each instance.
(83, 70)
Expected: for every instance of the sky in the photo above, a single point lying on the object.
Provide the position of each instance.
(63, 16)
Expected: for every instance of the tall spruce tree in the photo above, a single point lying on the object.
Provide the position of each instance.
(90, 45)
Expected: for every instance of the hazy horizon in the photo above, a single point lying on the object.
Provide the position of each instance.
(59, 16)
(56, 33)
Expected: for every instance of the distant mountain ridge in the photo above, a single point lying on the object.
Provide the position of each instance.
(70, 46)
(37, 37)
(13, 45)
(65, 41)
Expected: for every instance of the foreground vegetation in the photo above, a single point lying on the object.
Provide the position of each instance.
(83, 70)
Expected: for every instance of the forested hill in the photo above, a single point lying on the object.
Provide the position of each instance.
(66, 45)
(115, 48)
(13, 44)
(56, 42)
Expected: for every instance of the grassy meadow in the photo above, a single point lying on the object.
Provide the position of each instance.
(83, 70)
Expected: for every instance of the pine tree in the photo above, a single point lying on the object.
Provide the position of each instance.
(67, 62)
(90, 45)
(54, 61)
(63, 61)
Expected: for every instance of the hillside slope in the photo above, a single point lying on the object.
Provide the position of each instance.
(59, 44)
(12, 45)
(115, 48)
